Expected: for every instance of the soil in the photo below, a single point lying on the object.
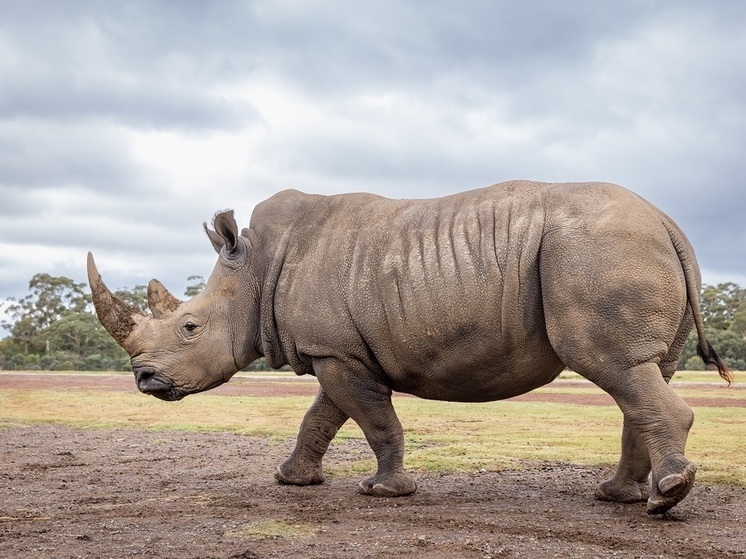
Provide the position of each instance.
(77, 493)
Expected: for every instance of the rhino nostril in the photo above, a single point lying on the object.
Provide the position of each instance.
(151, 381)
(144, 376)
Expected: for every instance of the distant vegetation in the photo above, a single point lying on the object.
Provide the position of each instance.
(724, 312)
(54, 327)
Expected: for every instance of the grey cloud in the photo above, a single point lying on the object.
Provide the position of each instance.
(147, 224)
(137, 105)
(422, 48)
(649, 95)
(120, 62)
(40, 155)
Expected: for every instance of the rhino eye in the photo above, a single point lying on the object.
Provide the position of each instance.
(190, 326)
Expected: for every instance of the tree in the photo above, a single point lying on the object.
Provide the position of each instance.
(720, 304)
(11, 355)
(23, 332)
(80, 342)
(80, 334)
(738, 324)
(50, 298)
(724, 313)
(53, 328)
(137, 296)
(195, 286)
(731, 347)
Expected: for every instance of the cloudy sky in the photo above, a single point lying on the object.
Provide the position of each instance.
(125, 125)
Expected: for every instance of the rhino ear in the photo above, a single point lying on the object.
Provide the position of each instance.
(216, 240)
(225, 234)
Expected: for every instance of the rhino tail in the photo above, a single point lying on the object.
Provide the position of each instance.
(711, 357)
(686, 257)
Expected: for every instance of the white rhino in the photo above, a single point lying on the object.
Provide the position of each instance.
(474, 297)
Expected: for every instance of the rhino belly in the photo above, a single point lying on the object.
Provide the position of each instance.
(469, 373)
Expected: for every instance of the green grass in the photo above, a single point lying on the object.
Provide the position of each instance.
(440, 436)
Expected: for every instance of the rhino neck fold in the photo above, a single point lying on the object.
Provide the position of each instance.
(268, 339)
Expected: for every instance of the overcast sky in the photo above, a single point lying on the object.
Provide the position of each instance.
(125, 125)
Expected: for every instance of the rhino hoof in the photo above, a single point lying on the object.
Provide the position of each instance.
(672, 489)
(394, 485)
(286, 477)
(630, 492)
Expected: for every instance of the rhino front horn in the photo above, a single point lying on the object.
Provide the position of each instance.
(116, 316)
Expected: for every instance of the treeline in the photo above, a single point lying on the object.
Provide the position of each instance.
(724, 313)
(54, 327)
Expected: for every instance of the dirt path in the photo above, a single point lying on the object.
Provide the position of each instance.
(71, 493)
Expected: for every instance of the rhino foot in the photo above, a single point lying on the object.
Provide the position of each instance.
(672, 489)
(623, 492)
(289, 474)
(388, 485)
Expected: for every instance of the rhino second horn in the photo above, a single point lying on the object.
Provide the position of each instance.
(160, 300)
(116, 316)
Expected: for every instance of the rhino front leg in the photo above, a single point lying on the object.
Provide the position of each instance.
(631, 482)
(320, 424)
(367, 401)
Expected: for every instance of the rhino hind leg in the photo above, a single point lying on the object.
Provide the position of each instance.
(631, 481)
(368, 402)
(662, 421)
(672, 489)
(320, 424)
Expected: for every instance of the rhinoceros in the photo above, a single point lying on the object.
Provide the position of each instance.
(473, 297)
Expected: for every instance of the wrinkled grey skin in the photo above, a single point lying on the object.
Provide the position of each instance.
(474, 297)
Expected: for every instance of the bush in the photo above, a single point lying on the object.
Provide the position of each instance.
(258, 365)
(261, 365)
(60, 361)
(98, 362)
(694, 363)
(735, 364)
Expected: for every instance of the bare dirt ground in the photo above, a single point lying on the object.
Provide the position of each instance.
(74, 493)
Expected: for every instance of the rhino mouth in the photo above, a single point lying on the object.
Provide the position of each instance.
(153, 382)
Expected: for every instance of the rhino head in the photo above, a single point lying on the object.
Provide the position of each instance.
(189, 346)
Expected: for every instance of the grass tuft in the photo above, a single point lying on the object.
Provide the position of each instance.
(268, 529)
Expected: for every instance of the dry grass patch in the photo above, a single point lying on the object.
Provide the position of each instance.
(267, 529)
